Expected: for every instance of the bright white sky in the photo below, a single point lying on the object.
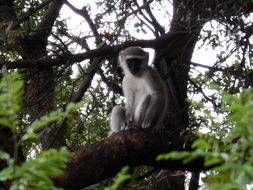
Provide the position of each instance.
(77, 25)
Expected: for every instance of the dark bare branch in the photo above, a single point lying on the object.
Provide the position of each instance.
(105, 51)
(94, 66)
(111, 84)
(84, 13)
(155, 23)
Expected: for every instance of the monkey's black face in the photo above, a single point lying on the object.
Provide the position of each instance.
(134, 65)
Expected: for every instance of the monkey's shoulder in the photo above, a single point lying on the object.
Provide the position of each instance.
(154, 81)
(151, 70)
(151, 74)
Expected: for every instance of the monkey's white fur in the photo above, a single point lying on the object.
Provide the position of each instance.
(145, 92)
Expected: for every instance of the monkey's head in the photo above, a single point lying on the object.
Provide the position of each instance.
(133, 60)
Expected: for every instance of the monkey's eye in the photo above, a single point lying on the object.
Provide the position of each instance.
(134, 65)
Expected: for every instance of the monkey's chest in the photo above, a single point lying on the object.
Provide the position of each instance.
(135, 86)
(138, 89)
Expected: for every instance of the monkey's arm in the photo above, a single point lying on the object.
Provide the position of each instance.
(141, 110)
(129, 95)
(129, 113)
(154, 110)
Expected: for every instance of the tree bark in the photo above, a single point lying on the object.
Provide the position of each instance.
(95, 162)
(40, 80)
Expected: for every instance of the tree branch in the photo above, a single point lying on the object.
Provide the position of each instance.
(105, 51)
(155, 23)
(87, 82)
(111, 84)
(85, 14)
(29, 13)
(95, 162)
(47, 22)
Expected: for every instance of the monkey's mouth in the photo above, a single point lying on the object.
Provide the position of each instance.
(134, 65)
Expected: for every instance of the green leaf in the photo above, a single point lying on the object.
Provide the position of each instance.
(201, 143)
(121, 177)
(7, 174)
(5, 122)
(173, 155)
(213, 161)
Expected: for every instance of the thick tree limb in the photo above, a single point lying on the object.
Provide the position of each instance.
(101, 160)
(48, 19)
(29, 13)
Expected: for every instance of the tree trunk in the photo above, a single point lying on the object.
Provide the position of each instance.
(40, 81)
(173, 63)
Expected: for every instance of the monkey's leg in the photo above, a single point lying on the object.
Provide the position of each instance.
(118, 117)
(140, 111)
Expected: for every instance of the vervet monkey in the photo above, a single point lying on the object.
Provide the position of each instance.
(144, 90)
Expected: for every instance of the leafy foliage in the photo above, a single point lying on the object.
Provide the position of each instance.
(230, 150)
(35, 173)
(120, 178)
(10, 98)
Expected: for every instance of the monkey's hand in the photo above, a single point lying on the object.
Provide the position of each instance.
(129, 125)
(145, 125)
(125, 126)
